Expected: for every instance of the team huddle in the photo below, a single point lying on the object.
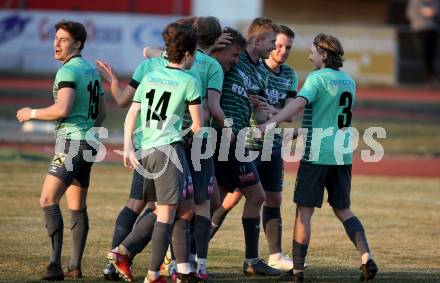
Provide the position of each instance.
(198, 108)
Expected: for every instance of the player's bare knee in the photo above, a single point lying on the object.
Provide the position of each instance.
(47, 201)
(304, 212)
(135, 205)
(186, 210)
(272, 199)
(343, 214)
(257, 198)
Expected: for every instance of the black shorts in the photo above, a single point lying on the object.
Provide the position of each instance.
(271, 172)
(166, 183)
(202, 179)
(233, 173)
(137, 184)
(69, 162)
(311, 180)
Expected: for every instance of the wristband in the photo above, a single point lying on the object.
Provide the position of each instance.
(33, 113)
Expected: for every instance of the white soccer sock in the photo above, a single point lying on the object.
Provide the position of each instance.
(275, 257)
(252, 261)
(366, 257)
(152, 275)
(184, 268)
(201, 265)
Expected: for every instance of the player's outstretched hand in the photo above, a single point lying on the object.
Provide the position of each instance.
(24, 114)
(106, 71)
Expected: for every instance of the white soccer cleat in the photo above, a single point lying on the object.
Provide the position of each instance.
(284, 263)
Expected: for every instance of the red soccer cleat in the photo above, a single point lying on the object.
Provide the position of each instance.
(121, 264)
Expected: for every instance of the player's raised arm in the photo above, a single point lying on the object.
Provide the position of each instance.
(122, 97)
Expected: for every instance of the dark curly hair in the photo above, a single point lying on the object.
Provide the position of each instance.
(179, 39)
(333, 47)
(75, 29)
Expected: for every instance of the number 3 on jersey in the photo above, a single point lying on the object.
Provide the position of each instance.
(346, 101)
(160, 107)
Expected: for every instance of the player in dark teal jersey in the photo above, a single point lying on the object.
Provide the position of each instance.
(282, 86)
(78, 107)
(327, 98)
(233, 171)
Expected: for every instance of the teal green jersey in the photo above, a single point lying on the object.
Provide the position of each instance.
(82, 76)
(280, 86)
(209, 73)
(164, 94)
(330, 96)
(242, 79)
(138, 74)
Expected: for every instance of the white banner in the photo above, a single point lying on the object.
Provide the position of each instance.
(26, 38)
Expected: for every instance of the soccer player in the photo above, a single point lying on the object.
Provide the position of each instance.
(327, 98)
(162, 98)
(282, 85)
(210, 74)
(136, 203)
(78, 107)
(232, 171)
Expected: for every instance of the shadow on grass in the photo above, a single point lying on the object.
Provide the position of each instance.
(336, 275)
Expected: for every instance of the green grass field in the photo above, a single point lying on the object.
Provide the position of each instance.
(401, 217)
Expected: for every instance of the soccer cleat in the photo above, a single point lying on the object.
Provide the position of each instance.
(159, 279)
(203, 277)
(53, 273)
(284, 263)
(110, 273)
(292, 276)
(74, 273)
(259, 268)
(187, 278)
(168, 269)
(368, 270)
(122, 264)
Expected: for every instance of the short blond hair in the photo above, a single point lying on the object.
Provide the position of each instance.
(260, 26)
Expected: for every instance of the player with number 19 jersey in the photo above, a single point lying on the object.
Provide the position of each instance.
(164, 94)
(330, 96)
(82, 76)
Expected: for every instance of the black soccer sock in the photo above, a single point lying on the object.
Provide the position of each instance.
(193, 236)
(79, 229)
(173, 255)
(124, 225)
(272, 228)
(356, 233)
(181, 238)
(55, 227)
(141, 234)
(160, 241)
(251, 227)
(202, 225)
(217, 220)
(299, 252)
